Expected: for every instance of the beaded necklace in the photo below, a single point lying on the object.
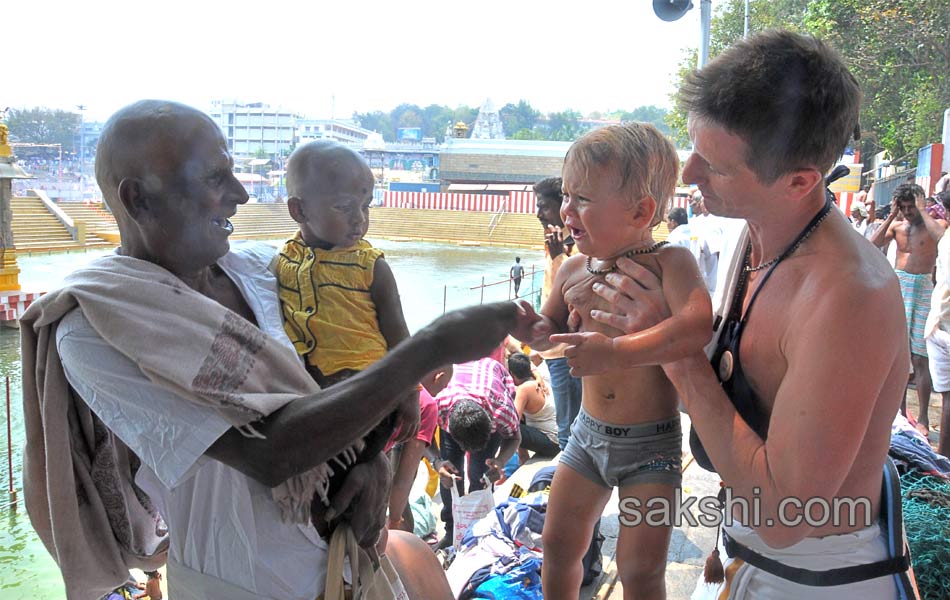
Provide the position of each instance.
(628, 254)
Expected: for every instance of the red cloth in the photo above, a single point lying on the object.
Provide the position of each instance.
(428, 420)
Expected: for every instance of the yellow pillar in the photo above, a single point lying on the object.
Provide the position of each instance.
(9, 272)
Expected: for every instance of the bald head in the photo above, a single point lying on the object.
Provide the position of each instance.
(144, 141)
(320, 163)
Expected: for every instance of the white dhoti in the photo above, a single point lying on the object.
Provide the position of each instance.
(743, 581)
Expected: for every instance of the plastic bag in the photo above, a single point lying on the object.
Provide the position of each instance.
(468, 509)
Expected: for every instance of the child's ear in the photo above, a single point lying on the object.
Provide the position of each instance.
(642, 214)
(295, 207)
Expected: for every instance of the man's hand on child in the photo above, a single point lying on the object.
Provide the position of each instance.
(588, 353)
(636, 296)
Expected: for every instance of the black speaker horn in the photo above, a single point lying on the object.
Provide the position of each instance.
(671, 10)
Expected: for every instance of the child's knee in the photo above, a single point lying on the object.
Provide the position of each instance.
(642, 572)
(564, 543)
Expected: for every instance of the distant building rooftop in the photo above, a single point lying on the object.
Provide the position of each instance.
(540, 148)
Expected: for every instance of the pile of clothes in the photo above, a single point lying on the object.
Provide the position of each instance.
(925, 487)
(500, 555)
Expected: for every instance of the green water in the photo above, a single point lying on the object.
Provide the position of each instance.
(429, 276)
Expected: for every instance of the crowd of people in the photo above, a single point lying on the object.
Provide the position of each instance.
(232, 412)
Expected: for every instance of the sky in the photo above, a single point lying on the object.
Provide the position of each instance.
(328, 59)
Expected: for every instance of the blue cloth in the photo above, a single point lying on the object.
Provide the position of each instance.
(913, 453)
(567, 397)
(512, 465)
(523, 582)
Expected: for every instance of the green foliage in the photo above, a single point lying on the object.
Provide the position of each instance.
(654, 115)
(563, 126)
(518, 117)
(896, 49)
(432, 119)
(44, 126)
(521, 121)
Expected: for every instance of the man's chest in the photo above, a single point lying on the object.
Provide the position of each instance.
(227, 294)
(914, 239)
(762, 355)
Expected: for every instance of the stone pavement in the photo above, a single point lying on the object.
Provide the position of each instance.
(689, 546)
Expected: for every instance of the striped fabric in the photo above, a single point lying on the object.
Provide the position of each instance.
(916, 289)
(514, 202)
(489, 384)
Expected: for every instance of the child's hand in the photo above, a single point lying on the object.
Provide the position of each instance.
(588, 353)
(407, 417)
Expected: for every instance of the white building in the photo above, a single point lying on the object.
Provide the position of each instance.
(254, 128)
(343, 131)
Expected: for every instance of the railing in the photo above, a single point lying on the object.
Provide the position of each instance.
(76, 229)
(496, 218)
(533, 293)
(12, 490)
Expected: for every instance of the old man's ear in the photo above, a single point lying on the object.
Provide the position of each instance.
(132, 197)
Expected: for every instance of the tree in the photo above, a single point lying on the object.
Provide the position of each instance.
(896, 49)
(563, 126)
(654, 115)
(518, 117)
(377, 121)
(45, 126)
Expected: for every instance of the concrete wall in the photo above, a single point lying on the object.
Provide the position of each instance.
(497, 168)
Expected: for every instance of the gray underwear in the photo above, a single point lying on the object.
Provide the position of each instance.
(620, 455)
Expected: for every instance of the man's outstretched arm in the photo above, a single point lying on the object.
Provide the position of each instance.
(310, 430)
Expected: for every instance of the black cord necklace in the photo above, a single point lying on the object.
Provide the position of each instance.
(628, 254)
(809, 229)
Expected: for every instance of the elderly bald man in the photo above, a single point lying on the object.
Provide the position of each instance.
(159, 383)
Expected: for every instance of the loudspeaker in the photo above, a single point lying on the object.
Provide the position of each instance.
(670, 10)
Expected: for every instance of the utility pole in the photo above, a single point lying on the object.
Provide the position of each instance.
(82, 151)
(745, 28)
(705, 19)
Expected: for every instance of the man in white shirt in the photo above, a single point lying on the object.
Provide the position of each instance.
(709, 229)
(184, 396)
(937, 333)
(683, 234)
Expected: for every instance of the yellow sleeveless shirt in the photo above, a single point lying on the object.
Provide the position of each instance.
(325, 301)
